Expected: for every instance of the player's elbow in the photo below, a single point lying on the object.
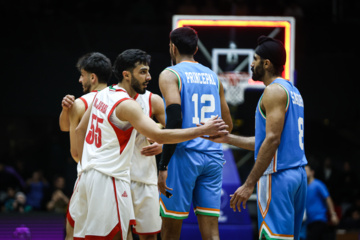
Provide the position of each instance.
(79, 130)
(74, 155)
(64, 129)
(274, 139)
(160, 141)
(159, 137)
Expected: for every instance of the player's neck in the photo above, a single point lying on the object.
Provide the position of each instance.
(269, 79)
(99, 87)
(183, 58)
(132, 93)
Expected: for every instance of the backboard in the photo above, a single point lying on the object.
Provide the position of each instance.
(227, 43)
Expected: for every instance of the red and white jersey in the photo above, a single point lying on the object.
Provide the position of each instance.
(87, 99)
(109, 142)
(143, 168)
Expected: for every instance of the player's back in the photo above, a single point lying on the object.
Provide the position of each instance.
(290, 153)
(87, 99)
(200, 100)
(109, 142)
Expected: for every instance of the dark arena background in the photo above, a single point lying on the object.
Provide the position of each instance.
(41, 41)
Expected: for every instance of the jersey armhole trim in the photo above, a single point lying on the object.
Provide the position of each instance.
(178, 77)
(150, 105)
(84, 101)
(287, 96)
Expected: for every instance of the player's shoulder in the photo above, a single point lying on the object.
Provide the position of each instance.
(78, 109)
(168, 73)
(80, 102)
(275, 90)
(126, 108)
(168, 77)
(156, 101)
(155, 97)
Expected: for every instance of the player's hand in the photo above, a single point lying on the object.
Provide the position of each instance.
(67, 102)
(334, 219)
(218, 138)
(151, 150)
(215, 126)
(241, 195)
(162, 183)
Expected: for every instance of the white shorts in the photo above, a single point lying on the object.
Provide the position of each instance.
(102, 208)
(146, 207)
(70, 216)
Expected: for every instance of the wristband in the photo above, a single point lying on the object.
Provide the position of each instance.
(174, 120)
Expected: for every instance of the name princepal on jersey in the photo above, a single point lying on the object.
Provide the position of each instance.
(100, 105)
(200, 78)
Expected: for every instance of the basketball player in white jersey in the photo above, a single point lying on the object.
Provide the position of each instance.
(95, 71)
(143, 171)
(104, 209)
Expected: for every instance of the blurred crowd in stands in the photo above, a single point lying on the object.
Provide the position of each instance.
(38, 193)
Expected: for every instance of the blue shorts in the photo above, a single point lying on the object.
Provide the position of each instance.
(281, 203)
(195, 178)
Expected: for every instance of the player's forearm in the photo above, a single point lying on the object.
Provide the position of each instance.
(330, 205)
(263, 160)
(64, 121)
(247, 143)
(80, 138)
(171, 136)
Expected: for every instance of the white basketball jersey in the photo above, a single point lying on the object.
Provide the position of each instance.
(109, 142)
(87, 99)
(143, 168)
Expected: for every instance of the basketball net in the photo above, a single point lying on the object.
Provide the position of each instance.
(234, 84)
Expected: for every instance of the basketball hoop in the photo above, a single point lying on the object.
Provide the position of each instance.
(234, 84)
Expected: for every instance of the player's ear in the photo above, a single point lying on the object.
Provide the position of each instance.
(174, 48)
(197, 48)
(93, 77)
(126, 74)
(267, 63)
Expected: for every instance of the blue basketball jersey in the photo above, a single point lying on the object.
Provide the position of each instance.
(200, 100)
(290, 152)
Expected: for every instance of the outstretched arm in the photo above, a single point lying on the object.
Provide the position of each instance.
(131, 111)
(247, 143)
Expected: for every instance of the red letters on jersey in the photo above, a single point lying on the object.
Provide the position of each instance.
(94, 131)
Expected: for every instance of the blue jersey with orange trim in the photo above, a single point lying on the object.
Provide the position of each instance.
(290, 153)
(200, 100)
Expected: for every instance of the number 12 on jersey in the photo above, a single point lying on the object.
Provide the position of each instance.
(204, 109)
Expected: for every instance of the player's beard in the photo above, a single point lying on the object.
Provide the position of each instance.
(135, 84)
(258, 72)
(87, 87)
